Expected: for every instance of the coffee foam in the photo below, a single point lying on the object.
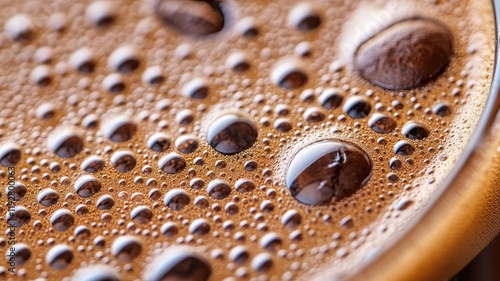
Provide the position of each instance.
(325, 242)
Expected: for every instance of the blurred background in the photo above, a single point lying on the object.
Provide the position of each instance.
(485, 267)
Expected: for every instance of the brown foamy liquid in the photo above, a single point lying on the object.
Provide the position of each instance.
(222, 140)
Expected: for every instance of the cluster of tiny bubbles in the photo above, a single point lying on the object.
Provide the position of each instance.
(154, 152)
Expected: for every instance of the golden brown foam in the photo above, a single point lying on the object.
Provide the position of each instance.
(337, 235)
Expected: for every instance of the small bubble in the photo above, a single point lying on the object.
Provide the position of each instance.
(289, 74)
(262, 262)
(283, 125)
(83, 60)
(119, 129)
(403, 203)
(87, 186)
(307, 95)
(347, 222)
(101, 13)
(105, 202)
(196, 88)
(57, 22)
(22, 253)
(41, 75)
(191, 17)
(10, 154)
(45, 111)
(186, 144)
(141, 214)
(199, 227)
(123, 161)
(172, 163)
(159, 142)
(176, 199)
(169, 229)
(415, 131)
(304, 17)
(153, 75)
(48, 197)
(92, 164)
(244, 185)
(220, 164)
(331, 98)
(325, 169)
(59, 256)
(113, 83)
(163, 104)
(291, 219)
(183, 51)
(267, 206)
(178, 263)
(196, 183)
(270, 241)
(231, 208)
(232, 133)
(66, 143)
(184, 117)
(247, 27)
(442, 109)
(81, 210)
(82, 232)
(239, 254)
(395, 164)
(357, 107)
(90, 121)
(124, 59)
(313, 115)
(238, 62)
(201, 202)
(99, 241)
(43, 55)
(392, 177)
(19, 27)
(154, 194)
(251, 165)
(403, 148)
(397, 104)
(19, 191)
(381, 123)
(282, 109)
(96, 272)
(303, 49)
(18, 217)
(62, 220)
(218, 189)
(198, 161)
(126, 248)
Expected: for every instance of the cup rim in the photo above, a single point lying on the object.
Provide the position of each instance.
(438, 263)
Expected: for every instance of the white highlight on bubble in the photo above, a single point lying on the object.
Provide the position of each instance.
(246, 25)
(19, 26)
(121, 55)
(153, 75)
(81, 59)
(41, 75)
(299, 13)
(99, 11)
(194, 86)
(113, 83)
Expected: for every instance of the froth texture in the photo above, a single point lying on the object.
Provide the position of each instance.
(154, 140)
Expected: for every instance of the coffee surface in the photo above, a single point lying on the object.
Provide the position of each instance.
(196, 140)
